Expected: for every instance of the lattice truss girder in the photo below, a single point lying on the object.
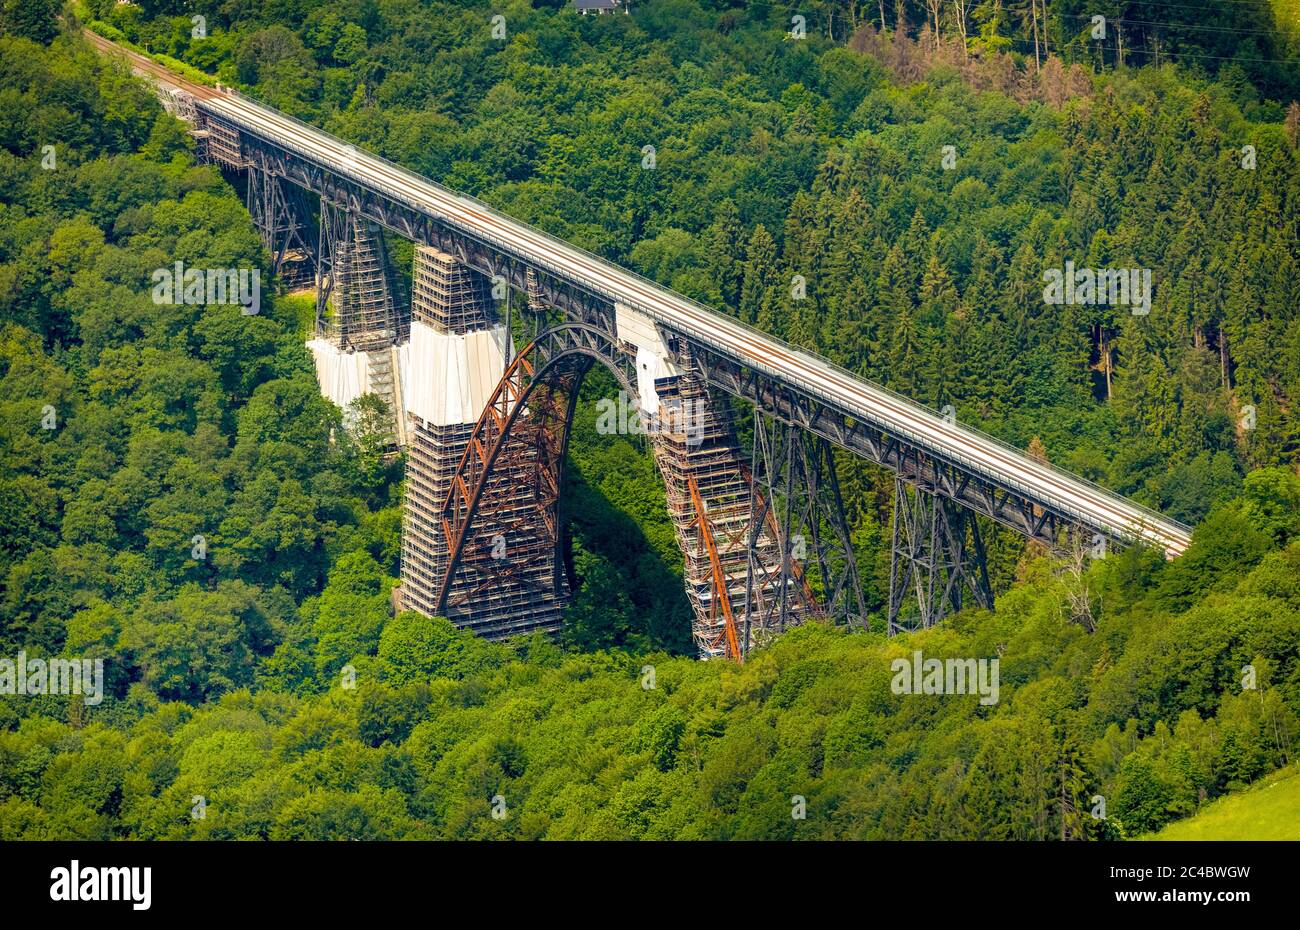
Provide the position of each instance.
(1035, 520)
(581, 300)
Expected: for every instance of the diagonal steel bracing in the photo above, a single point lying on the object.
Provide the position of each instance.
(830, 557)
(797, 500)
(920, 468)
(937, 558)
(280, 212)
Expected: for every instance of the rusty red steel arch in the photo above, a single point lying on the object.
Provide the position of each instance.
(527, 419)
(519, 443)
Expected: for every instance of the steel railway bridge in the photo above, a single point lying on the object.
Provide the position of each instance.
(486, 427)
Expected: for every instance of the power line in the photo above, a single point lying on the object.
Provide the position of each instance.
(1180, 54)
(1144, 22)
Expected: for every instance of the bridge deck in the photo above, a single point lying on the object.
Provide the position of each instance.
(1070, 495)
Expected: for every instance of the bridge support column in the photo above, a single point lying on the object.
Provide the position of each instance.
(933, 560)
(352, 274)
(279, 211)
(509, 579)
(361, 322)
(741, 588)
(797, 500)
(709, 500)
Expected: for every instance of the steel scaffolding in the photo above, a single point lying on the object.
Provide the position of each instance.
(352, 273)
(222, 144)
(507, 580)
(713, 506)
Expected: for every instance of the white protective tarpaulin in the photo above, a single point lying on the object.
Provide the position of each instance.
(343, 376)
(652, 362)
(456, 374)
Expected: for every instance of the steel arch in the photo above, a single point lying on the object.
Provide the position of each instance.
(541, 386)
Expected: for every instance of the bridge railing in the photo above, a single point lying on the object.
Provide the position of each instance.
(1151, 518)
(953, 456)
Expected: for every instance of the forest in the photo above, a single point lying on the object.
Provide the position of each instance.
(918, 164)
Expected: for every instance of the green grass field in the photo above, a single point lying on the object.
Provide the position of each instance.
(304, 311)
(1267, 811)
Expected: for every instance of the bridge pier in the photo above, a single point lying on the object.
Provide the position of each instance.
(932, 559)
(743, 584)
(711, 502)
(279, 211)
(490, 557)
(352, 269)
(358, 347)
(508, 579)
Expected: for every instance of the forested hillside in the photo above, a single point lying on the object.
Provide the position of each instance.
(824, 157)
